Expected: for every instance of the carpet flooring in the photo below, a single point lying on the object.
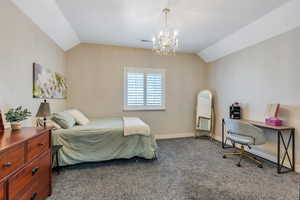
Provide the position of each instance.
(186, 169)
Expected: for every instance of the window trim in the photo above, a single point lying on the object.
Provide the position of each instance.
(144, 107)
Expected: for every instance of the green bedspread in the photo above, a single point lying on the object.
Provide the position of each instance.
(101, 140)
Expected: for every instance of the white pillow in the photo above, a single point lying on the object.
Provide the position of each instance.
(79, 117)
(53, 124)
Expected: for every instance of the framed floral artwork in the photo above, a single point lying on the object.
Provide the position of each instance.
(48, 84)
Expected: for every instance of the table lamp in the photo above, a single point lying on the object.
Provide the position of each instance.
(44, 111)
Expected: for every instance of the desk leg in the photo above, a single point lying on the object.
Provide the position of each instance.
(278, 151)
(223, 146)
(286, 155)
(293, 149)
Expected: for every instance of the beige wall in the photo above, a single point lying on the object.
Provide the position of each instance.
(21, 44)
(95, 74)
(266, 73)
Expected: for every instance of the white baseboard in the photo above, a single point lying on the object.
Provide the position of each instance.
(173, 136)
(263, 155)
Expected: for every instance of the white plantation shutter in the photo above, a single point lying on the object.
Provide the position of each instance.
(135, 89)
(144, 89)
(154, 89)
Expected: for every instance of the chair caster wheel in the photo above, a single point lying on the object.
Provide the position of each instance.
(224, 156)
(238, 165)
(260, 166)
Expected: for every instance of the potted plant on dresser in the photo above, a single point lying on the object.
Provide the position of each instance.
(15, 116)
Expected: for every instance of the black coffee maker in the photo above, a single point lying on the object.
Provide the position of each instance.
(235, 111)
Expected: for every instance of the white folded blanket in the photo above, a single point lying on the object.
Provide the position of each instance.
(135, 126)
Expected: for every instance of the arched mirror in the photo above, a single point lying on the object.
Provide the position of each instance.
(204, 115)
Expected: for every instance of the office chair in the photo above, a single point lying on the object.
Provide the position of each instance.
(244, 134)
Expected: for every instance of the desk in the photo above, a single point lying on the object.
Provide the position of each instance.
(286, 144)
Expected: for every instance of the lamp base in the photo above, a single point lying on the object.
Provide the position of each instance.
(42, 123)
(45, 122)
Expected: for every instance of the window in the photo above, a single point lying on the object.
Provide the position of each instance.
(144, 89)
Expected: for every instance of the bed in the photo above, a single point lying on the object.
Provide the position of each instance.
(101, 140)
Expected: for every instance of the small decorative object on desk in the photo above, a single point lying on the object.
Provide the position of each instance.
(274, 121)
(235, 111)
(272, 114)
(15, 116)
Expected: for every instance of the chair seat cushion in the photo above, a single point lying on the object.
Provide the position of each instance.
(240, 139)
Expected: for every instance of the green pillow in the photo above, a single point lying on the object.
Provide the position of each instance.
(64, 119)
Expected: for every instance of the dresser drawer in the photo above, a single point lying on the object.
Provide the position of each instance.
(37, 145)
(34, 172)
(11, 160)
(36, 191)
(1, 191)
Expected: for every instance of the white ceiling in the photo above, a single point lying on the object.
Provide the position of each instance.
(48, 16)
(276, 22)
(200, 23)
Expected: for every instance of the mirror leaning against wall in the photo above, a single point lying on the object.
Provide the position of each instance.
(204, 113)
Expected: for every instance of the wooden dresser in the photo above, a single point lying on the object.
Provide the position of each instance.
(25, 164)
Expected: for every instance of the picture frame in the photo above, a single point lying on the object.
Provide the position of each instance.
(272, 111)
(3, 123)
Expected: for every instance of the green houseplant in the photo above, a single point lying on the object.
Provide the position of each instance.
(15, 116)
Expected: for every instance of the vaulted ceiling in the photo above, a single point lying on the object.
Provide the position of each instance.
(201, 23)
(126, 22)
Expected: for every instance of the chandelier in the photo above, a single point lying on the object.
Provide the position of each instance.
(166, 41)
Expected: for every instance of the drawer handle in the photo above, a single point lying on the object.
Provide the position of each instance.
(34, 171)
(8, 164)
(33, 196)
(40, 144)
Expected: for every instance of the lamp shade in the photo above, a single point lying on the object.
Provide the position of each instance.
(44, 110)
